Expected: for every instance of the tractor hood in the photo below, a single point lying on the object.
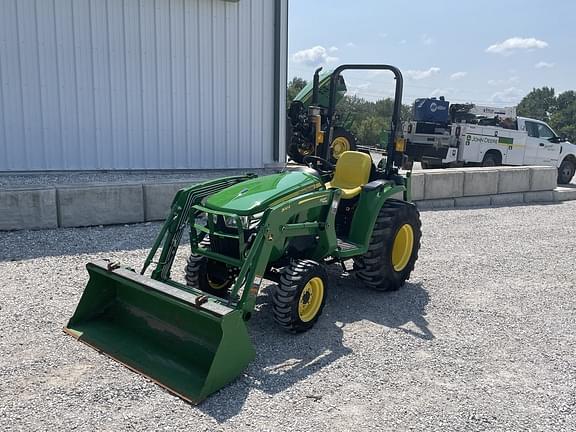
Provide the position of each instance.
(256, 195)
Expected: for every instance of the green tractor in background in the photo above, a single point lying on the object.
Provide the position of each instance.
(307, 114)
(287, 228)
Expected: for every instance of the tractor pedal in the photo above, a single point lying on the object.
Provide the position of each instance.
(345, 269)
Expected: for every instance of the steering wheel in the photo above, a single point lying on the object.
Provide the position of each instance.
(319, 164)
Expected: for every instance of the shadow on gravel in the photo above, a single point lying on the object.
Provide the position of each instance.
(282, 359)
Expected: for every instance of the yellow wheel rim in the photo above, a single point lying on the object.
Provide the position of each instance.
(216, 285)
(402, 249)
(339, 146)
(311, 299)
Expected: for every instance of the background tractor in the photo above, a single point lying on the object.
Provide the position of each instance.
(308, 113)
(286, 227)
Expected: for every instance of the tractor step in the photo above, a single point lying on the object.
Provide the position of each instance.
(346, 249)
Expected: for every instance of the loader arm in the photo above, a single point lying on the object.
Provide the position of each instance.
(180, 214)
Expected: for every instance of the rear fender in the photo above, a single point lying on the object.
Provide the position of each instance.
(371, 201)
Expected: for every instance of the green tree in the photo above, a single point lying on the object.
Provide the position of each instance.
(558, 111)
(538, 104)
(294, 88)
(370, 131)
(563, 119)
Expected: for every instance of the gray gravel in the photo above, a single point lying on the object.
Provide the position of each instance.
(482, 338)
(63, 178)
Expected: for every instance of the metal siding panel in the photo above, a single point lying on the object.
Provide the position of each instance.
(232, 86)
(104, 144)
(118, 83)
(206, 149)
(178, 78)
(164, 83)
(68, 96)
(219, 82)
(144, 84)
(149, 87)
(135, 124)
(31, 101)
(12, 89)
(85, 84)
(193, 104)
(256, 78)
(267, 106)
(49, 83)
(245, 62)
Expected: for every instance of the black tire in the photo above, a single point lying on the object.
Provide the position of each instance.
(491, 160)
(207, 275)
(566, 171)
(375, 268)
(287, 296)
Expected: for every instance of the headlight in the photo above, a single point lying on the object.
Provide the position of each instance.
(230, 221)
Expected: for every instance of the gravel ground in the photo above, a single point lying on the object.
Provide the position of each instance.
(50, 179)
(482, 338)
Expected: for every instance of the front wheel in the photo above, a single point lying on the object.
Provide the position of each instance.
(566, 171)
(393, 248)
(210, 276)
(300, 296)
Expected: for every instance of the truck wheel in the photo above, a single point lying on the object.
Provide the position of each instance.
(491, 160)
(207, 275)
(566, 171)
(393, 248)
(300, 296)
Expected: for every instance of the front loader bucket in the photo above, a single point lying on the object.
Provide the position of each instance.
(191, 347)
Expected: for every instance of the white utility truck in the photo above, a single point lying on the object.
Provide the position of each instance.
(473, 135)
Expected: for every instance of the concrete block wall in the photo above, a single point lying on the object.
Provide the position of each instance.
(473, 187)
(158, 198)
(112, 203)
(103, 204)
(33, 208)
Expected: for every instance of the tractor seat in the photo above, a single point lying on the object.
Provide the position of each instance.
(351, 173)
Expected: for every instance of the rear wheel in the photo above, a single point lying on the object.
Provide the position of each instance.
(566, 171)
(491, 160)
(300, 296)
(393, 248)
(210, 276)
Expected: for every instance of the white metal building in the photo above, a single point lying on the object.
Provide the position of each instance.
(141, 84)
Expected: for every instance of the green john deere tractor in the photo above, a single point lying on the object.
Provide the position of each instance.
(286, 227)
(307, 114)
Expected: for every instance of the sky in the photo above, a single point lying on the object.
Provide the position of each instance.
(485, 52)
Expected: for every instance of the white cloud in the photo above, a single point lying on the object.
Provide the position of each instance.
(510, 95)
(516, 43)
(332, 49)
(350, 44)
(426, 40)
(314, 56)
(422, 74)
(500, 82)
(441, 92)
(403, 42)
(458, 75)
(544, 65)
